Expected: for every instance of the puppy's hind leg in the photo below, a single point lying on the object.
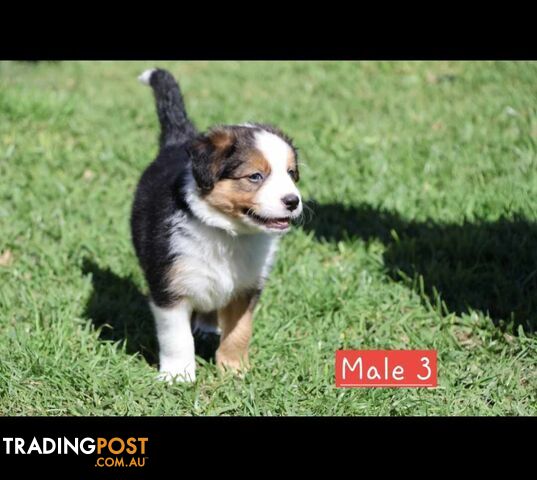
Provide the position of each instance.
(206, 334)
(205, 323)
(176, 343)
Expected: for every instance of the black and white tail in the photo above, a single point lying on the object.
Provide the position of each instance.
(175, 126)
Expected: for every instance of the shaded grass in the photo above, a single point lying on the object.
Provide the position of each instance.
(422, 180)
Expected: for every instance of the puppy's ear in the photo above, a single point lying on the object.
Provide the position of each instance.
(209, 153)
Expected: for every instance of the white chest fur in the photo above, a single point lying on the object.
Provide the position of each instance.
(212, 266)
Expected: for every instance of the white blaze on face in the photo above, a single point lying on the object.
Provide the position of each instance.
(279, 183)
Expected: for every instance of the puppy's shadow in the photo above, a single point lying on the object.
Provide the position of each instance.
(490, 266)
(121, 313)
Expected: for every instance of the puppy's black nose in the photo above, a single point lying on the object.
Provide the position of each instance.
(291, 201)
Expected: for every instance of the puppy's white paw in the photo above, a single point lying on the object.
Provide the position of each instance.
(171, 378)
(181, 372)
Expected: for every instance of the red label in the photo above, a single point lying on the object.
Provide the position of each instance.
(386, 368)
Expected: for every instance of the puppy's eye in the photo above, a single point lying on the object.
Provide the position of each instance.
(292, 173)
(255, 177)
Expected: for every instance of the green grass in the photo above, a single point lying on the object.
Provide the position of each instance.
(422, 178)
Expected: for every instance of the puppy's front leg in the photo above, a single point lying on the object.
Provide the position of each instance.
(235, 320)
(176, 343)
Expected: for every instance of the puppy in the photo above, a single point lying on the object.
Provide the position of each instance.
(206, 219)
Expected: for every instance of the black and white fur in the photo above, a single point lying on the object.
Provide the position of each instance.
(219, 256)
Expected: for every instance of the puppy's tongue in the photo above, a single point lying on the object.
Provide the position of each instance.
(279, 223)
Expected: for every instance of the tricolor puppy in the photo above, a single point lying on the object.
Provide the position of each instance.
(206, 220)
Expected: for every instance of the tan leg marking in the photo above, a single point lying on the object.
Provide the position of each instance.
(235, 320)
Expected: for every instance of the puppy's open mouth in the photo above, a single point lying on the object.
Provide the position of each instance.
(275, 223)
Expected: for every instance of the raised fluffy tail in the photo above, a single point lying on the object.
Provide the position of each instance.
(175, 126)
